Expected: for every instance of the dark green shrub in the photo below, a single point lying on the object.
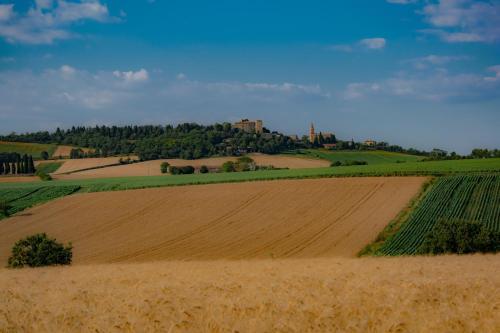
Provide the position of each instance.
(39, 250)
(44, 155)
(164, 167)
(336, 164)
(183, 170)
(228, 166)
(461, 237)
(204, 169)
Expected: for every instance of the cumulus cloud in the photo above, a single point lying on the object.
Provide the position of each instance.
(47, 21)
(67, 95)
(141, 75)
(373, 43)
(434, 60)
(438, 87)
(456, 21)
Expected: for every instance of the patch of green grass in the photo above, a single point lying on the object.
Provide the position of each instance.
(34, 149)
(371, 157)
(20, 199)
(48, 167)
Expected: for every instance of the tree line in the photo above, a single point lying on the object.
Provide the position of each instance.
(16, 164)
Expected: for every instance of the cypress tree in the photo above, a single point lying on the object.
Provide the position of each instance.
(13, 168)
(31, 165)
(1, 168)
(25, 163)
(7, 168)
(18, 163)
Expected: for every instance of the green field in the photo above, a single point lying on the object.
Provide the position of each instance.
(22, 198)
(48, 167)
(371, 157)
(34, 149)
(469, 197)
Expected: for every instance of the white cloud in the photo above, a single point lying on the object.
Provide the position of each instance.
(456, 21)
(434, 60)
(69, 96)
(48, 21)
(496, 70)
(438, 86)
(6, 12)
(131, 76)
(373, 43)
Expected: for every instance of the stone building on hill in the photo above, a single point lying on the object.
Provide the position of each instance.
(249, 126)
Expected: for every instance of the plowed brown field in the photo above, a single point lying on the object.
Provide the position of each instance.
(273, 219)
(152, 168)
(85, 163)
(416, 294)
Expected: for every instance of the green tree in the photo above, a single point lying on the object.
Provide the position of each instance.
(44, 155)
(164, 167)
(204, 169)
(39, 250)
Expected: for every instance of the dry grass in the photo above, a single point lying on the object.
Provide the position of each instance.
(289, 218)
(441, 294)
(64, 151)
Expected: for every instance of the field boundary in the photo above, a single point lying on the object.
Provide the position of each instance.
(395, 225)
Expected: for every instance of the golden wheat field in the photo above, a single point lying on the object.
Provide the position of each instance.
(416, 294)
(152, 168)
(266, 219)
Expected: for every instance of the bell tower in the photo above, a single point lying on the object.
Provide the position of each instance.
(312, 135)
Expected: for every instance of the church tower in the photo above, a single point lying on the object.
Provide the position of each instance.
(312, 135)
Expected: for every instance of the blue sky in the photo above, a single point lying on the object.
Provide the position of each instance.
(417, 73)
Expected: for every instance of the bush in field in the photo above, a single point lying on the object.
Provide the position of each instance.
(336, 164)
(229, 166)
(204, 169)
(44, 155)
(183, 170)
(461, 237)
(39, 250)
(164, 167)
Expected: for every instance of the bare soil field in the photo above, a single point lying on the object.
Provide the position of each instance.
(152, 168)
(271, 219)
(18, 179)
(411, 294)
(85, 163)
(64, 151)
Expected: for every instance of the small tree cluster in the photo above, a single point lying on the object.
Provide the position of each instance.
(348, 163)
(164, 167)
(183, 170)
(39, 250)
(15, 164)
(461, 237)
(244, 163)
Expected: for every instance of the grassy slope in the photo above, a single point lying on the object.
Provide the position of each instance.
(33, 149)
(371, 157)
(48, 167)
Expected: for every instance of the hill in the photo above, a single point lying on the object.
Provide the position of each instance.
(290, 218)
(34, 149)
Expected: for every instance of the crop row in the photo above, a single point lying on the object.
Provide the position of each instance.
(470, 197)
